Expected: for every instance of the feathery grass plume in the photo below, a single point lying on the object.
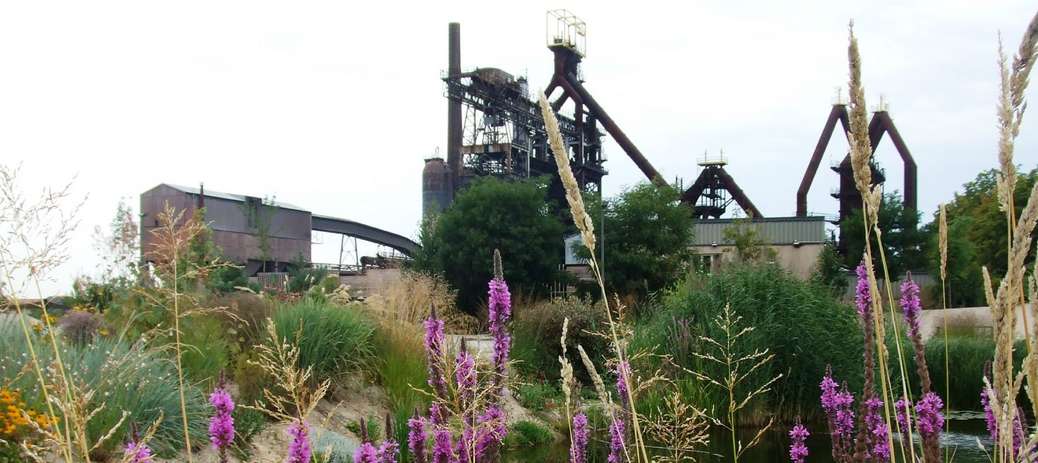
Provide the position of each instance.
(291, 397)
(567, 381)
(596, 379)
(585, 225)
(682, 429)
(861, 156)
(34, 240)
(729, 353)
(942, 242)
(576, 202)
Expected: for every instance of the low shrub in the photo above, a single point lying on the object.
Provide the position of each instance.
(206, 353)
(332, 340)
(800, 322)
(538, 327)
(80, 327)
(246, 314)
(124, 377)
(527, 434)
(537, 396)
(227, 279)
(247, 424)
(250, 378)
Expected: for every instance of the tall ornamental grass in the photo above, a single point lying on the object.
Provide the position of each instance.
(121, 377)
(332, 340)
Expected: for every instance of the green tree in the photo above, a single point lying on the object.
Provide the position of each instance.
(750, 247)
(648, 234)
(512, 216)
(904, 242)
(829, 271)
(977, 236)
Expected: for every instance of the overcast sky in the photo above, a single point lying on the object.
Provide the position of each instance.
(334, 105)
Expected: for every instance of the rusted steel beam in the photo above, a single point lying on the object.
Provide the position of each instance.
(838, 113)
(454, 127)
(910, 169)
(571, 84)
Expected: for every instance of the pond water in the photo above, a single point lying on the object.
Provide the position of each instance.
(966, 428)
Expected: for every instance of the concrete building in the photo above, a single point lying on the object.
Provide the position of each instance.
(796, 242)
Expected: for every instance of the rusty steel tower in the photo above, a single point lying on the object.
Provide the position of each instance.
(495, 126)
(714, 190)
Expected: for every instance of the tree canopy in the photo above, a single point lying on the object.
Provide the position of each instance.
(904, 243)
(511, 216)
(648, 234)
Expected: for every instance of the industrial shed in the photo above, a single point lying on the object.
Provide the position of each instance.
(236, 221)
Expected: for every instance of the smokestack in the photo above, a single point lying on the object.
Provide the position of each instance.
(454, 133)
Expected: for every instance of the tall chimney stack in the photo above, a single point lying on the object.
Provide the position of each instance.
(454, 130)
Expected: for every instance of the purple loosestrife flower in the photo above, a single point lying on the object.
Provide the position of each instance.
(366, 453)
(862, 293)
(388, 451)
(465, 375)
(901, 413)
(416, 438)
(877, 429)
(221, 425)
(299, 449)
(500, 310)
(930, 419)
(797, 436)
(910, 306)
(581, 434)
(492, 431)
(989, 414)
(623, 370)
(137, 452)
(443, 451)
(617, 431)
(434, 342)
(837, 405)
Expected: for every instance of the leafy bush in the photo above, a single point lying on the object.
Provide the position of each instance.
(226, 279)
(247, 424)
(537, 329)
(332, 340)
(801, 323)
(246, 314)
(124, 377)
(250, 378)
(301, 278)
(526, 434)
(537, 396)
(511, 216)
(206, 351)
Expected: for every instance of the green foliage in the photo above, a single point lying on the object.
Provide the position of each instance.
(537, 396)
(537, 329)
(512, 216)
(401, 371)
(332, 340)
(124, 377)
(750, 247)
(647, 237)
(800, 322)
(227, 279)
(206, 351)
(526, 434)
(10, 453)
(251, 379)
(968, 356)
(977, 236)
(302, 277)
(829, 271)
(247, 424)
(370, 424)
(904, 241)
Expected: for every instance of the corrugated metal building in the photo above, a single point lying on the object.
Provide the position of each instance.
(236, 221)
(795, 241)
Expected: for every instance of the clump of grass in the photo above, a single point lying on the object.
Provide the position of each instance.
(125, 378)
(525, 434)
(401, 373)
(332, 341)
(537, 396)
(537, 328)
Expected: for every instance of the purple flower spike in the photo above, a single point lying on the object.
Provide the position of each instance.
(862, 293)
(221, 425)
(910, 306)
(416, 438)
(797, 436)
(877, 428)
(299, 449)
(443, 451)
(617, 431)
(930, 418)
(581, 434)
(387, 452)
(366, 453)
(623, 370)
(500, 311)
(434, 342)
(138, 452)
